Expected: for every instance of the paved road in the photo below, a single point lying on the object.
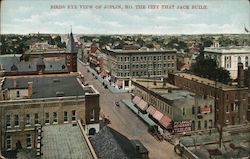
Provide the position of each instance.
(126, 122)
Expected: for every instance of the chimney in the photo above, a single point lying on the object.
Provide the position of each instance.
(240, 75)
(30, 89)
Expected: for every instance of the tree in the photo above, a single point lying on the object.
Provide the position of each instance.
(207, 68)
(57, 39)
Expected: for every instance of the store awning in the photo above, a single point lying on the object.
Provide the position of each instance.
(142, 105)
(103, 73)
(151, 110)
(165, 121)
(157, 115)
(136, 100)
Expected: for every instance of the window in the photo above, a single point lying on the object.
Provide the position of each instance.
(126, 83)
(183, 111)
(172, 57)
(246, 61)
(28, 140)
(199, 109)
(36, 118)
(65, 116)
(232, 106)
(8, 142)
(92, 115)
(27, 120)
(193, 109)
(211, 123)
(239, 59)
(199, 125)
(227, 108)
(16, 119)
(8, 122)
(54, 117)
(73, 115)
(17, 94)
(211, 109)
(46, 118)
(205, 124)
(193, 125)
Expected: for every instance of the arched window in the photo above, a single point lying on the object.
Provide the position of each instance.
(239, 59)
(92, 131)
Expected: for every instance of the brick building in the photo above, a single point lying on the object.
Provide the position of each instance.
(174, 103)
(121, 64)
(41, 61)
(44, 100)
(231, 102)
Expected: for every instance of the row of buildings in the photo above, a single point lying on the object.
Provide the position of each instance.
(202, 103)
(46, 111)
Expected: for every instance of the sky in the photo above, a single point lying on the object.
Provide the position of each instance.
(44, 16)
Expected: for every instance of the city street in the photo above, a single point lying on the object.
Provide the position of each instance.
(125, 121)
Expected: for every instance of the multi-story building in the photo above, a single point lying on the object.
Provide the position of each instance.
(177, 104)
(122, 65)
(229, 57)
(230, 101)
(28, 101)
(41, 60)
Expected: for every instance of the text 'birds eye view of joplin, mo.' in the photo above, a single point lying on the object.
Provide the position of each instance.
(119, 79)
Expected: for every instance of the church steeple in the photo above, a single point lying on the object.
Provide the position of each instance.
(71, 48)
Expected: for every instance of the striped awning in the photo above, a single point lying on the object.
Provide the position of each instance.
(151, 110)
(136, 100)
(142, 105)
(103, 73)
(157, 115)
(165, 121)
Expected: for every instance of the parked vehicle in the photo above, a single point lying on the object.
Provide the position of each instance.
(117, 104)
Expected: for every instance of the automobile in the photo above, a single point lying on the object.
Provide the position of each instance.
(117, 104)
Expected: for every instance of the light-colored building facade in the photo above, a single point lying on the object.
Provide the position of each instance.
(122, 65)
(229, 57)
(27, 102)
(175, 103)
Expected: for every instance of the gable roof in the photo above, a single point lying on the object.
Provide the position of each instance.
(109, 143)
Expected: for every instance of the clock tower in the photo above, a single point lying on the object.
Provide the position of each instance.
(71, 54)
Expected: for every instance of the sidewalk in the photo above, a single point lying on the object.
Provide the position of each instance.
(144, 117)
(111, 88)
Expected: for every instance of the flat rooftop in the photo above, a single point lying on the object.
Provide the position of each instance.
(64, 141)
(207, 81)
(232, 49)
(142, 51)
(168, 91)
(47, 86)
(149, 83)
(174, 94)
(46, 51)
